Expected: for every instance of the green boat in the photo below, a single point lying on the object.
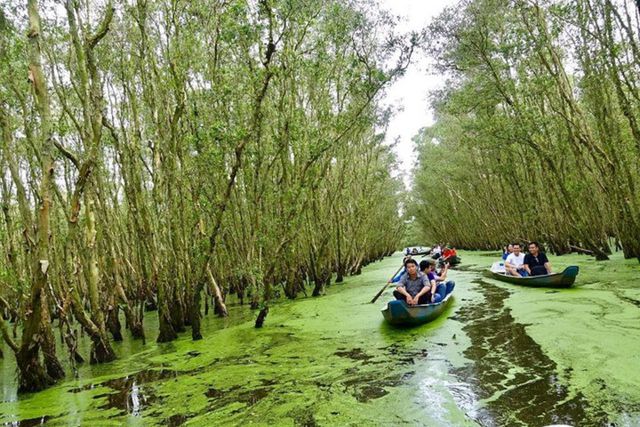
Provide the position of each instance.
(398, 313)
(555, 280)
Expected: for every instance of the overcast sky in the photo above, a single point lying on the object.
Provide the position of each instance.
(410, 91)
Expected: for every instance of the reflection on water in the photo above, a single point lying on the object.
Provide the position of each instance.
(31, 422)
(129, 395)
(517, 383)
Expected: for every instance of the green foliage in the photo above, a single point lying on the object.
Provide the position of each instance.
(236, 137)
(536, 134)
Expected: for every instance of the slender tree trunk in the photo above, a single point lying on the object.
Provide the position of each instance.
(32, 376)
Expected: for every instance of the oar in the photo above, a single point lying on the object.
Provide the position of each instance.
(386, 284)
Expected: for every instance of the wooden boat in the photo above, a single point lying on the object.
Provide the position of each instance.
(415, 254)
(398, 313)
(555, 280)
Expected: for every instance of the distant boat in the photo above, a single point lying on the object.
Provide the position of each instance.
(555, 280)
(398, 313)
(417, 250)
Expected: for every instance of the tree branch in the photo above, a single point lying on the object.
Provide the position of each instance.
(103, 29)
(66, 153)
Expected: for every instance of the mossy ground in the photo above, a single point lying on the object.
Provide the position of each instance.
(332, 361)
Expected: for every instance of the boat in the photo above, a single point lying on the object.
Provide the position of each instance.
(416, 251)
(398, 313)
(564, 279)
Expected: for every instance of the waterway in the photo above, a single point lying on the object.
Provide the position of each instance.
(500, 355)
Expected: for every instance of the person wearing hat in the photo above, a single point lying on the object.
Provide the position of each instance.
(414, 287)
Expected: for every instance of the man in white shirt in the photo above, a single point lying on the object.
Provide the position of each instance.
(514, 264)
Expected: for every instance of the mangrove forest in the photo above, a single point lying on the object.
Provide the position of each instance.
(207, 218)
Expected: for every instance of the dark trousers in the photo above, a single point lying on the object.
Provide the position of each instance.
(538, 270)
(424, 299)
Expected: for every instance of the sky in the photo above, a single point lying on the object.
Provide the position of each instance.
(410, 92)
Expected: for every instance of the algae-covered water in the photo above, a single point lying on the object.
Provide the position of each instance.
(500, 355)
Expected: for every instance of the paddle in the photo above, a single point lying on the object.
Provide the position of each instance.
(386, 284)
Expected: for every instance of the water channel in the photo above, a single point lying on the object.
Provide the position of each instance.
(500, 355)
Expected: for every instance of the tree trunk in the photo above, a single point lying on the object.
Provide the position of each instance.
(167, 333)
(32, 376)
(220, 307)
(261, 317)
(113, 323)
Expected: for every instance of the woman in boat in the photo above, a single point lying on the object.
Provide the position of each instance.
(441, 277)
(506, 251)
(439, 289)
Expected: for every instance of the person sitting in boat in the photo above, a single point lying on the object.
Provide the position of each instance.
(448, 254)
(514, 264)
(441, 276)
(414, 287)
(436, 252)
(506, 251)
(536, 263)
(443, 286)
(401, 273)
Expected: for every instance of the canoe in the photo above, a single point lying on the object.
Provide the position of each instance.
(419, 250)
(555, 280)
(398, 313)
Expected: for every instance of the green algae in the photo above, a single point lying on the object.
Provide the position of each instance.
(317, 361)
(500, 354)
(590, 332)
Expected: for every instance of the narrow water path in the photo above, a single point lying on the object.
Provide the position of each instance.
(509, 370)
(500, 355)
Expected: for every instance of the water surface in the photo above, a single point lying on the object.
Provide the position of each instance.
(500, 355)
